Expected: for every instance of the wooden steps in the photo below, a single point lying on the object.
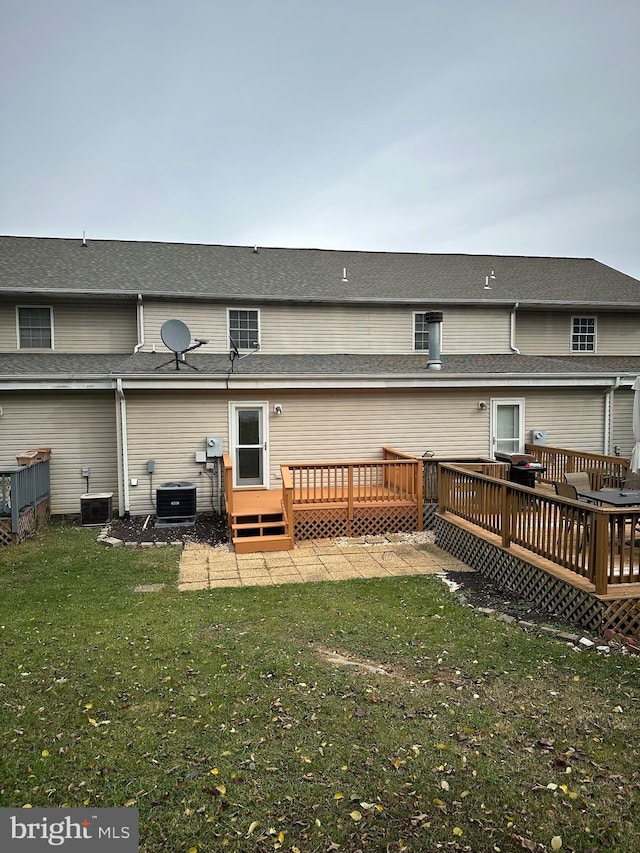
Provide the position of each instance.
(259, 525)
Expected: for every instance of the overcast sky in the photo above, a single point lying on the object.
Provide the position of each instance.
(472, 126)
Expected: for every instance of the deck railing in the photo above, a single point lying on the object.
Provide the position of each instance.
(22, 488)
(386, 481)
(482, 464)
(601, 545)
(603, 470)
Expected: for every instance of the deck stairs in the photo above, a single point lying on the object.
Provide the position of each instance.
(257, 523)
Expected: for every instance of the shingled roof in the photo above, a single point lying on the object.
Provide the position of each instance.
(77, 366)
(43, 265)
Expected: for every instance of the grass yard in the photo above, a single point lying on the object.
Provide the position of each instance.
(220, 716)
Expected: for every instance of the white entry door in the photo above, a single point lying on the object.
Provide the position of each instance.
(507, 426)
(249, 442)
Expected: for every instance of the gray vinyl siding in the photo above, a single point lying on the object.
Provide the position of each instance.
(78, 327)
(169, 431)
(355, 425)
(334, 329)
(622, 421)
(573, 417)
(79, 428)
(546, 333)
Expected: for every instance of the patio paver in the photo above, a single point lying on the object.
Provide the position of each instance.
(204, 567)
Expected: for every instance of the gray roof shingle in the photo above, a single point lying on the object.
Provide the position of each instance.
(87, 367)
(42, 265)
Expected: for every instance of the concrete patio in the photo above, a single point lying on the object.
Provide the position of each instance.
(205, 567)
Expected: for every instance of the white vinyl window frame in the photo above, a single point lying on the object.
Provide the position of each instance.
(243, 336)
(22, 327)
(584, 330)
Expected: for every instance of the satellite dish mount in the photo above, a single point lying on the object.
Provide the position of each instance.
(176, 336)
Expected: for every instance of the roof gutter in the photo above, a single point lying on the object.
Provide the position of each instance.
(512, 329)
(140, 324)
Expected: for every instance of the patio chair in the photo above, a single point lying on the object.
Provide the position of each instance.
(581, 482)
(631, 482)
(568, 490)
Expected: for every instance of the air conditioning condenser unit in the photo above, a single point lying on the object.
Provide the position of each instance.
(95, 509)
(175, 504)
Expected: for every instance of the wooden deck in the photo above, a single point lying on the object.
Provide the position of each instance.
(326, 500)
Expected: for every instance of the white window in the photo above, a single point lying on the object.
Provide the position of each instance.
(35, 327)
(244, 328)
(583, 334)
(420, 331)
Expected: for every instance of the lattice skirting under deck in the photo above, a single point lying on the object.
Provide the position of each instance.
(550, 594)
(30, 520)
(429, 515)
(622, 615)
(367, 521)
(5, 532)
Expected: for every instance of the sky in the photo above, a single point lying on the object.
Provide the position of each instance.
(465, 126)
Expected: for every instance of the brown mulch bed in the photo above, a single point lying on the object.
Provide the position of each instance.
(209, 529)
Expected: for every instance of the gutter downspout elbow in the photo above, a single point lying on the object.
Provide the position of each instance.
(512, 329)
(140, 324)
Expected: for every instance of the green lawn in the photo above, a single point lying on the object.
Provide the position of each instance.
(218, 716)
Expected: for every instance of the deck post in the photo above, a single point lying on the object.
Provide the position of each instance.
(228, 482)
(350, 478)
(287, 499)
(417, 474)
(598, 550)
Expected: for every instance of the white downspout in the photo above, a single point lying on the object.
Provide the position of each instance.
(512, 329)
(608, 416)
(140, 324)
(124, 446)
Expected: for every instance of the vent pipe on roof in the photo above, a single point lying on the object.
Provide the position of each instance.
(433, 322)
(84, 240)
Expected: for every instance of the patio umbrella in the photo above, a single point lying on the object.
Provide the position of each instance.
(634, 464)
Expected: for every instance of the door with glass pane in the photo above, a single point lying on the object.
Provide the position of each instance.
(507, 426)
(249, 444)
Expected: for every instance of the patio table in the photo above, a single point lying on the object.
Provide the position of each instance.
(613, 497)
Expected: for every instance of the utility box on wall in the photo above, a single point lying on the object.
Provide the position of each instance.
(214, 447)
(538, 436)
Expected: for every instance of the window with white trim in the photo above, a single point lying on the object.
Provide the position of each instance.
(35, 327)
(420, 331)
(583, 334)
(244, 328)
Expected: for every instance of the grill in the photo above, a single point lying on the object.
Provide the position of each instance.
(523, 468)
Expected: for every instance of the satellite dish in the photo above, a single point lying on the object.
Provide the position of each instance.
(176, 336)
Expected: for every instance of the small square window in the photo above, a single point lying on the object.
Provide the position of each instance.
(420, 331)
(583, 334)
(35, 327)
(244, 329)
